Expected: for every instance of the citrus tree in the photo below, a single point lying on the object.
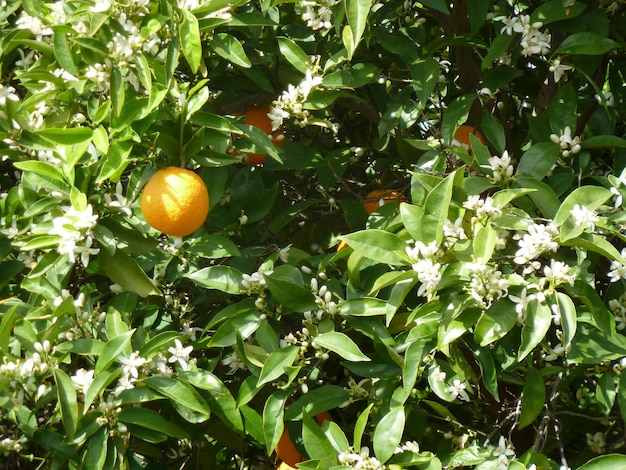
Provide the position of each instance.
(413, 255)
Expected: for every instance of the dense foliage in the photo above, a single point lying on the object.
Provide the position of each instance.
(477, 321)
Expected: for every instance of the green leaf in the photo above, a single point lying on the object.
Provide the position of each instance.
(356, 13)
(294, 54)
(244, 323)
(537, 324)
(315, 441)
(273, 425)
(317, 400)
(285, 284)
(562, 109)
(606, 391)
(180, 393)
(356, 76)
(277, 363)
(591, 197)
(604, 462)
(586, 43)
(222, 278)
(496, 322)
(189, 31)
(604, 142)
(41, 168)
(556, 10)
(533, 397)
(115, 161)
(62, 51)
(538, 160)
(378, 245)
(219, 399)
(125, 271)
(363, 306)
(488, 371)
(150, 419)
(388, 433)
(543, 197)
(100, 381)
(567, 310)
(118, 94)
(229, 48)
(96, 452)
(66, 394)
(114, 348)
(436, 208)
(360, 425)
(424, 76)
(341, 344)
(455, 115)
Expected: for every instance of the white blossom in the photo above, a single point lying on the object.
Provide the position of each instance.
(457, 390)
(558, 69)
(618, 268)
(83, 379)
(583, 217)
(179, 354)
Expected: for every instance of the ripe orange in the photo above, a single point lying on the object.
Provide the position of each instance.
(175, 201)
(284, 466)
(257, 116)
(462, 136)
(379, 197)
(285, 449)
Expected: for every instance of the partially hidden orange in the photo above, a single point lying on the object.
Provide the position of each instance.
(374, 200)
(257, 116)
(287, 451)
(380, 197)
(175, 201)
(462, 136)
(285, 466)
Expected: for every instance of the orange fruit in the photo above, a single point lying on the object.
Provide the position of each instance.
(379, 197)
(285, 466)
(287, 452)
(175, 201)
(257, 116)
(462, 136)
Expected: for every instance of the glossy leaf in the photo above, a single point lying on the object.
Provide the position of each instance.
(222, 278)
(536, 325)
(533, 397)
(342, 345)
(388, 433)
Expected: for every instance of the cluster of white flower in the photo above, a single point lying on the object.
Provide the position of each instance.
(539, 239)
(360, 461)
(559, 69)
(483, 208)
(596, 442)
(423, 259)
(326, 302)
(453, 232)
(501, 169)
(487, 283)
(408, 446)
(233, 362)
(569, 145)
(583, 217)
(74, 228)
(618, 309)
(618, 268)
(290, 105)
(503, 452)
(533, 42)
(118, 201)
(318, 14)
